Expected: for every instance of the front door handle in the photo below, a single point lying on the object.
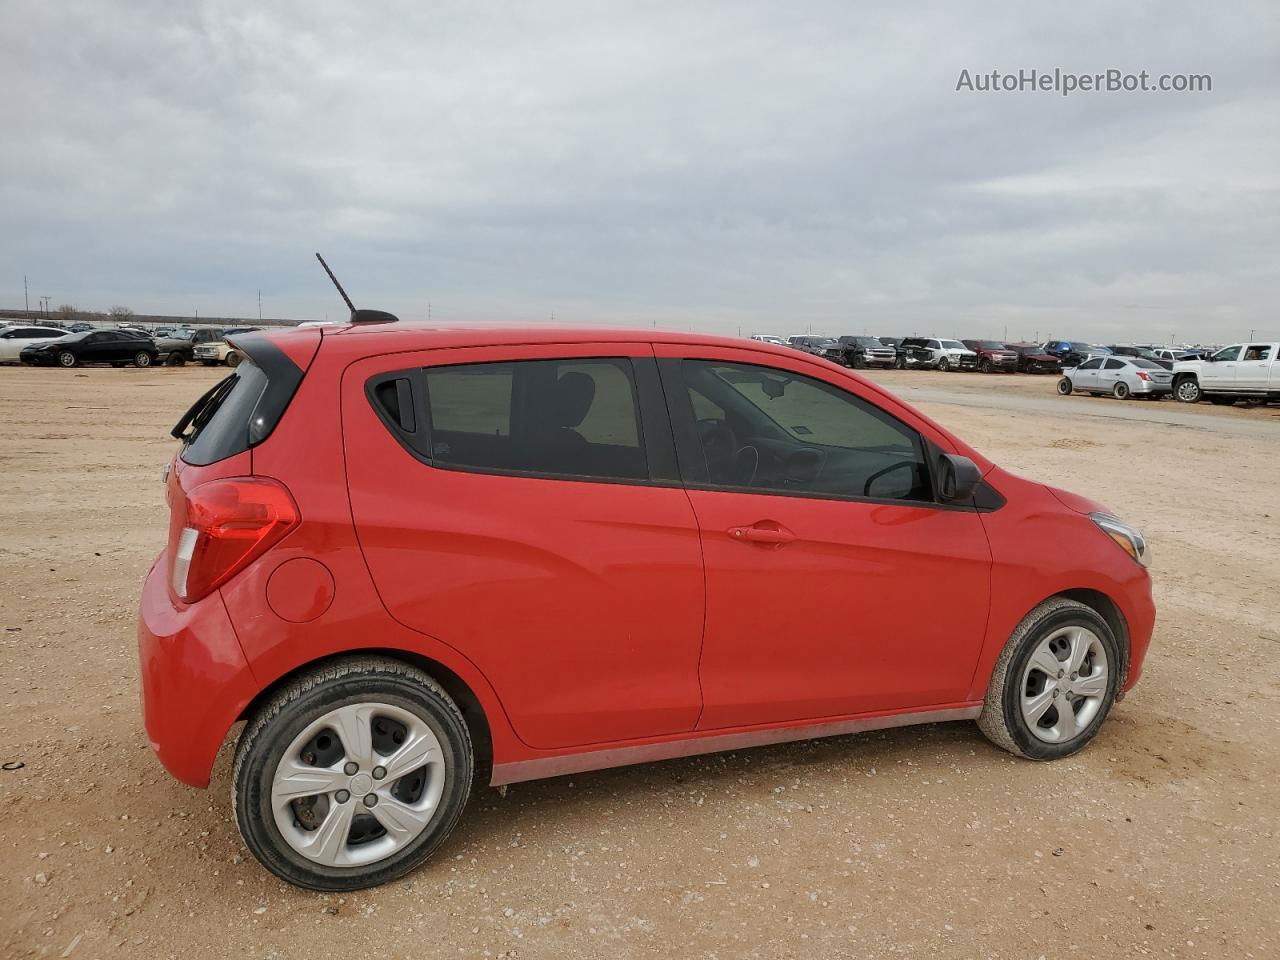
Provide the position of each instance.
(763, 532)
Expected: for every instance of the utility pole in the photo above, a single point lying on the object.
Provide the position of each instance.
(259, 304)
(26, 303)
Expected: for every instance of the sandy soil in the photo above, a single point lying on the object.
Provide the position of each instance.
(1159, 840)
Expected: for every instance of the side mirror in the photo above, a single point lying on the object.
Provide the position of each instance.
(958, 477)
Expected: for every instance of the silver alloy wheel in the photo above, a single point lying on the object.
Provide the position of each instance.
(67, 359)
(1064, 684)
(361, 782)
(1188, 391)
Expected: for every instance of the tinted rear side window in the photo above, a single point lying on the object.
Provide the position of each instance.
(567, 417)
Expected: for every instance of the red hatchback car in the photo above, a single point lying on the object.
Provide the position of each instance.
(411, 558)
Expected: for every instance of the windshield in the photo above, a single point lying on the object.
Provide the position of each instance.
(990, 345)
(1145, 364)
(953, 345)
(867, 342)
(182, 335)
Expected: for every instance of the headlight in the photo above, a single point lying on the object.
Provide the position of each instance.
(1130, 540)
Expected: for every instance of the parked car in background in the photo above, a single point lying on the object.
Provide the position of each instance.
(1173, 355)
(17, 336)
(862, 352)
(1071, 353)
(1033, 359)
(769, 338)
(217, 352)
(931, 353)
(118, 347)
(180, 346)
(993, 356)
(708, 494)
(1122, 350)
(1122, 377)
(890, 341)
(814, 345)
(80, 327)
(1240, 371)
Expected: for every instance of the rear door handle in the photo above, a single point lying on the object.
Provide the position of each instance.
(774, 533)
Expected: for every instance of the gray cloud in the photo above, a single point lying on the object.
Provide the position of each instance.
(722, 166)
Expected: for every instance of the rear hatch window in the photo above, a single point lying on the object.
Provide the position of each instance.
(242, 410)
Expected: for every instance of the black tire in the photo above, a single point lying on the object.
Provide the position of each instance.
(176, 360)
(233, 358)
(1188, 390)
(985, 366)
(1121, 390)
(944, 365)
(1001, 719)
(307, 698)
(142, 359)
(900, 363)
(1064, 386)
(859, 362)
(66, 358)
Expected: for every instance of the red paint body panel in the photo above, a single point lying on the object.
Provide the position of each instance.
(195, 679)
(1042, 548)
(581, 601)
(574, 610)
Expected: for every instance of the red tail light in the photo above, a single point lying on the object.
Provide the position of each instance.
(1142, 375)
(229, 524)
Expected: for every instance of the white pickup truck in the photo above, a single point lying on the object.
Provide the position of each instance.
(1237, 372)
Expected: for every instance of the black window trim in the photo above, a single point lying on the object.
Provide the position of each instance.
(693, 465)
(657, 443)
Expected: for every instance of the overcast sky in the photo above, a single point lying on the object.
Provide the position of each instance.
(762, 167)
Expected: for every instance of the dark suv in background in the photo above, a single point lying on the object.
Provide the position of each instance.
(993, 356)
(860, 352)
(818, 346)
(1033, 359)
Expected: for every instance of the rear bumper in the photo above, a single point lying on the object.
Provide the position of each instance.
(195, 680)
(1146, 386)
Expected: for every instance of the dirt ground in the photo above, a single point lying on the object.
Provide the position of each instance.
(1158, 840)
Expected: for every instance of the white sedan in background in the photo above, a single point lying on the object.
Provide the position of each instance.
(1122, 377)
(15, 336)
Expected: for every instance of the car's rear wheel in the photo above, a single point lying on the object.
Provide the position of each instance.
(1054, 683)
(1120, 391)
(352, 775)
(142, 359)
(66, 358)
(1064, 386)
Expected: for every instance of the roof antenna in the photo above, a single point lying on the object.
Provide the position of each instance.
(358, 316)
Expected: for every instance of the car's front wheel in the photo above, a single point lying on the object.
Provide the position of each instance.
(1188, 390)
(66, 359)
(1054, 682)
(944, 364)
(1064, 386)
(352, 775)
(142, 359)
